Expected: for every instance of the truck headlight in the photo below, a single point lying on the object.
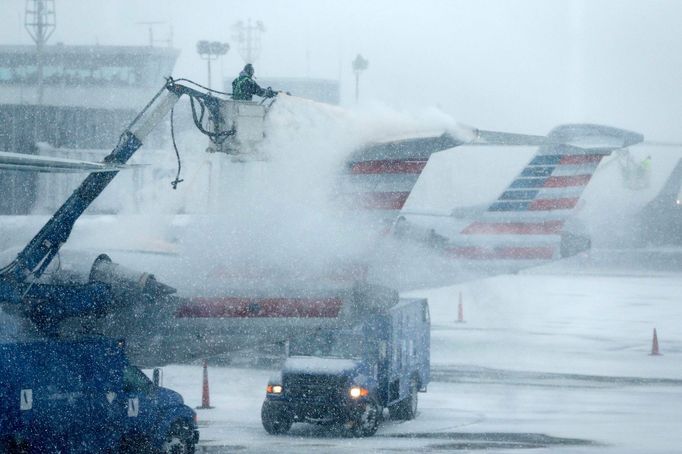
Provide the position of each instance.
(274, 389)
(357, 392)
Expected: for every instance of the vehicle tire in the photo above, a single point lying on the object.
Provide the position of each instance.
(276, 420)
(179, 440)
(135, 444)
(10, 446)
(406, 409)
(367, 422)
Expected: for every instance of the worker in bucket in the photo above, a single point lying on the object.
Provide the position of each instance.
(244, 87)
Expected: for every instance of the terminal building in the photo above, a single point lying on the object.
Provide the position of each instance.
(89, 95)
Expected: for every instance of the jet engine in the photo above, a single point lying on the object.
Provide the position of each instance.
(126, 281)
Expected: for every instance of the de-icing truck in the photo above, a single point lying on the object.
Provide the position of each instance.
(62, 390)
(348, 375)
(82, 396)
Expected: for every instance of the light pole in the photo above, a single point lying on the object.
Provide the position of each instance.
(247, 37)
(211, 50)
(359, 64)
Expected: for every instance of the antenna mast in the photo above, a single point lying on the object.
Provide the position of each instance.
(40, 22)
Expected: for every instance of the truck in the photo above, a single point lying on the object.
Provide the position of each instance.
(62, 390)
(82, 395)
(348, 375)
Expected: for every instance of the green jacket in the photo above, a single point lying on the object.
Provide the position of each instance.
(244, 87)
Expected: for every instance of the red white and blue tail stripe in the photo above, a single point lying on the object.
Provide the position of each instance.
(380, 177)
(528, 220)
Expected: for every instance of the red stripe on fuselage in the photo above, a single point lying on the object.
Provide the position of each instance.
(387, 166)
(567, 181)
(235, 307)
(378, 200)
(503, 253)
(580, 159)
(552, 204)
(514, 228)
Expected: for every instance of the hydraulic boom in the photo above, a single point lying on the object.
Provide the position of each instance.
(47, 304)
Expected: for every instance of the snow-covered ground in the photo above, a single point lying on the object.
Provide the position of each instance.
(554, 359)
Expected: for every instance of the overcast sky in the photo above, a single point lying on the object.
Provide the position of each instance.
(497, 64)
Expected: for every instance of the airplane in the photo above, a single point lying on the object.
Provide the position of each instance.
(33, 163)
(239, 291)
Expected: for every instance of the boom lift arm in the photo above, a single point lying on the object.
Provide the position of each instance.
(47, 304)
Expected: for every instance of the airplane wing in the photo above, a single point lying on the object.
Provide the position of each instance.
(34, 163)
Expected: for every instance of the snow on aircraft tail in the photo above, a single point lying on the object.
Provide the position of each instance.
(528, 221)
(379, 177)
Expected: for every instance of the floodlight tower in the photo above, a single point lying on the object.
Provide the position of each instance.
(248, 38)
(359, 64)
(40, 22)
(211, 50)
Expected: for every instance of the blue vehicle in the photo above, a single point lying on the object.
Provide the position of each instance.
(60, 395)
(350, 374)
(61, 390)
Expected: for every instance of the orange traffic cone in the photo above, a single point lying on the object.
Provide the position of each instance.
(205, 401)
(460, 310)
(654, 346)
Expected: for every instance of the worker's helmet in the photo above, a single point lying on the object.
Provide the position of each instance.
(248, 69)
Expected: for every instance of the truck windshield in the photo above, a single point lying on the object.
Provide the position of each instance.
(135, 381)
(349, 344)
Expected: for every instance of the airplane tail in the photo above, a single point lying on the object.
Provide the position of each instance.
(380, 177)
(528, 221)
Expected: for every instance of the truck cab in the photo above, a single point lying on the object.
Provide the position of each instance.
(82, 395)
(157, 417)
(350, 374)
